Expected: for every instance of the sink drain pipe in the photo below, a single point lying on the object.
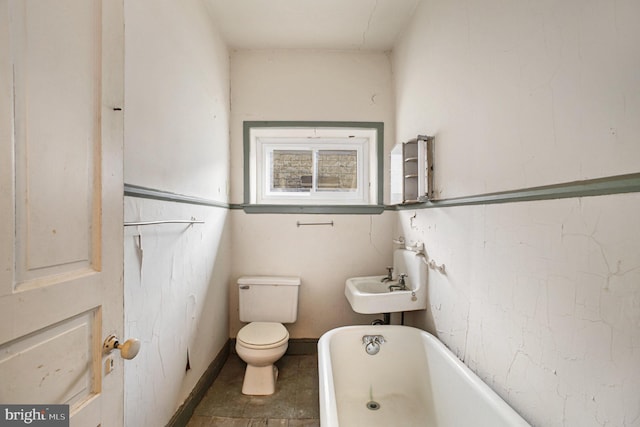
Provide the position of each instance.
(386, 321)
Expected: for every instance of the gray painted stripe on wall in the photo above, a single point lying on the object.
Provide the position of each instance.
(151, 193)
(593, 187)
(315, 209)
(619, 184)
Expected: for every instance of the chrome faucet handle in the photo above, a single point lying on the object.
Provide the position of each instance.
(389, 271)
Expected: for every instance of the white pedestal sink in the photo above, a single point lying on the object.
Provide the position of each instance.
(370, 295)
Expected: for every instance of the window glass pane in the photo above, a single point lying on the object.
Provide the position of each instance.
(291, 170)
(337, 170)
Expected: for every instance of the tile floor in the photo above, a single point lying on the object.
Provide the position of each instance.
(294, 404)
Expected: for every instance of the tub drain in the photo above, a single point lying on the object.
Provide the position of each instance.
(374, 406)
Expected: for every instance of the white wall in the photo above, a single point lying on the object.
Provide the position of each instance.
(322, 256)
(177, 99)
(541, 299)
(176, 140)
(521, 94)
(175, 302)
(317, 86)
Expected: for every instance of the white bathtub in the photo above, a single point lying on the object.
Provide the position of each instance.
(414, 380)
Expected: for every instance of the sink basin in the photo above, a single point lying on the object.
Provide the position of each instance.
(369, 295)
(371, 285)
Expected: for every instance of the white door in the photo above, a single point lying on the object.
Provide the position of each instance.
(61, 72)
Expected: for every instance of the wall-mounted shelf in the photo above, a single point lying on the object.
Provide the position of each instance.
(412, 171)
(417, 165)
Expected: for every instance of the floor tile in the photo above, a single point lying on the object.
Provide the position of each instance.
(294, 404)
(304, 423)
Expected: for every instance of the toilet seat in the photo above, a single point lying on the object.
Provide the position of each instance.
(262, 335)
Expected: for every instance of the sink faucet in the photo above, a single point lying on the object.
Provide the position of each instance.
(401, 282)
(401, 285)
(389, 275)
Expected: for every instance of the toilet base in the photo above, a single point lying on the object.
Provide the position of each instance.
(260, 380)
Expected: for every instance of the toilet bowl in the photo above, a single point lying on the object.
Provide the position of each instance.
(260, 345)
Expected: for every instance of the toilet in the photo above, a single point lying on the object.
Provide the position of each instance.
(266, 302)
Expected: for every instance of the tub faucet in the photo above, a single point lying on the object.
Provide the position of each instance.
(372, 343)
(389, 276)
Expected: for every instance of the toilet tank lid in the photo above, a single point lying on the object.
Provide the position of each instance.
(269, 280)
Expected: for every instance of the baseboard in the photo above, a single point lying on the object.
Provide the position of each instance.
(297, 346)
(185, 411)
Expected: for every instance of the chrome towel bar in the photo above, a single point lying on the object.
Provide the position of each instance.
(300, 224)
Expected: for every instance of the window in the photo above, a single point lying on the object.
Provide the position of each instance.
(319, 164)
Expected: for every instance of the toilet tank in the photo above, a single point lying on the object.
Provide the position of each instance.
(268, 298)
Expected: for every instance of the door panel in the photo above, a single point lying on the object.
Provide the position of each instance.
(67, 373)
(56, 59)
(61, 86)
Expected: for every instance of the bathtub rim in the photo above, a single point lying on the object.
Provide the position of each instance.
(328, 406)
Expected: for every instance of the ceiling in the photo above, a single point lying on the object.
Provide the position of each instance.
(311, 24)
